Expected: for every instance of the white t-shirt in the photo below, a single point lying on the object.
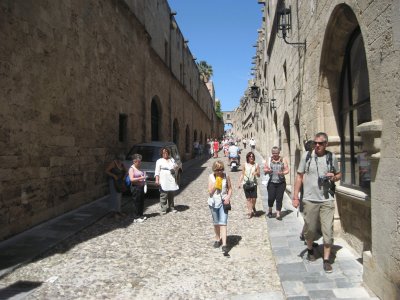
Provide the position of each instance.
(163, 170)
(219, 195)
(233, 151)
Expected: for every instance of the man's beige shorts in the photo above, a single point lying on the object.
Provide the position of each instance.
(318, 220)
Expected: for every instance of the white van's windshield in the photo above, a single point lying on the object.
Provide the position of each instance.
(148, 153)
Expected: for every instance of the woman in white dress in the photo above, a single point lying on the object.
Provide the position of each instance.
(165, 174)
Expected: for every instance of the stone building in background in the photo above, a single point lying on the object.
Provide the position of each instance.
(336, 69)
(81, 81)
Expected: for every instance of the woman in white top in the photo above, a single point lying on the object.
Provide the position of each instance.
(250, 172)
(219, 194)
(165, 173)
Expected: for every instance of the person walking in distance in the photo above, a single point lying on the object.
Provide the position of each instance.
(215, 148)
(220, 192)
(252, 144)
(277, 167)
(317, 172)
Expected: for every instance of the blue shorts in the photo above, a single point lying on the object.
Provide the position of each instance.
(219, 216)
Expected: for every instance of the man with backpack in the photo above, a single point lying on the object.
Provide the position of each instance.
(317, 171)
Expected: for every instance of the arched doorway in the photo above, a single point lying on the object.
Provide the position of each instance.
(195, 136)
(155, 120)
(187, 139)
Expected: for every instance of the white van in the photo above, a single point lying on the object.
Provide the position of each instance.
(150, 152)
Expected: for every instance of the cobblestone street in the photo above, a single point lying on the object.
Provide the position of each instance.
(165, 257)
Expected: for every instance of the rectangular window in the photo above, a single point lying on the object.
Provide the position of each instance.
(123, 127)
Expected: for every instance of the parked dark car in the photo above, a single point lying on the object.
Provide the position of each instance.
(150, 153)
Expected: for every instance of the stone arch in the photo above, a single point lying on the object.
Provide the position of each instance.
(156, 119)
(175, 132)
(341, 25)
(344, 87)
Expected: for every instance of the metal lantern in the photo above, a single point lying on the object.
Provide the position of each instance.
(285, 20)
(254, 91)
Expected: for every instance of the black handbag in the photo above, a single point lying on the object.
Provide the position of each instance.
(249, 185)
(227, 206)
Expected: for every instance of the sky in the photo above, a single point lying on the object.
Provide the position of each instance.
(222, 33)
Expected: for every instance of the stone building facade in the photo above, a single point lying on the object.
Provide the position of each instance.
(340, 76)
(80, 82)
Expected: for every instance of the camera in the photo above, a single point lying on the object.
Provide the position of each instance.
(322, 180)
(172, 171)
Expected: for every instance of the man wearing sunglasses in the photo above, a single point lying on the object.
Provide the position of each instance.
(317, 174)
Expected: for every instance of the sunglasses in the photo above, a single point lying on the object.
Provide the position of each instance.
(219, 170)
(319, 143)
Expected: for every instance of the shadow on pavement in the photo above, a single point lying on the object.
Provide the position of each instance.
(58, 235)
(319, 252)
(17, 288)
(233, 241)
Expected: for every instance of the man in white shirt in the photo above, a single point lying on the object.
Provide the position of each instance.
(234, 152)
(252, 144)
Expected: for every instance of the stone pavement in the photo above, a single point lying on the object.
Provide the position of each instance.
(165, 257)
(87, 255)
(307, 280)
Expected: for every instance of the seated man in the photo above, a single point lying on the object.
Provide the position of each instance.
(234, 152)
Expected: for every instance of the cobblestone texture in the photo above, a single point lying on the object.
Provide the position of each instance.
(166, 257)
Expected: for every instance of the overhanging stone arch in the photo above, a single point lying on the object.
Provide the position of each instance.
(341, 29)
(341, 25)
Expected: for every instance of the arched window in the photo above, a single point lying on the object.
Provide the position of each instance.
(187, 140)
(195, 136)
(155, 118)
(175, 132)
(354, 109)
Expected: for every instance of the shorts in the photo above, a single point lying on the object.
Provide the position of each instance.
(219, 216)
(318, 220)
(250, 193)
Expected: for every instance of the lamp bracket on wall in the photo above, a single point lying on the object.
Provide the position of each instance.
(285, 25)
(255, 95)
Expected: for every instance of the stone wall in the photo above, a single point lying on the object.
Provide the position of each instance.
(305, 81)
(68, 71)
